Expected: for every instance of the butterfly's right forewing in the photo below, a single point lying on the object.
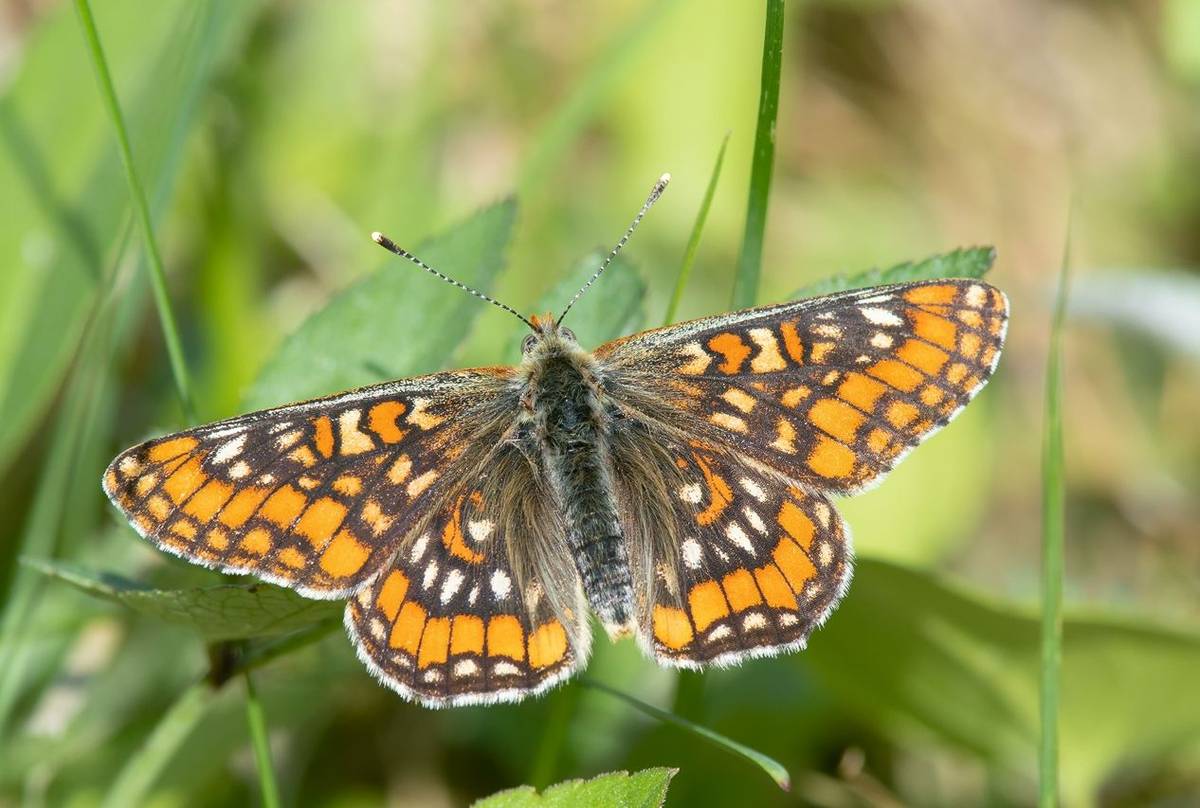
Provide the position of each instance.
(314, 496)
(831, 392)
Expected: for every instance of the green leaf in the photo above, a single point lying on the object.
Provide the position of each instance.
(644, 789)
(224, 612)
(610, 309)
(965, 262)
(908, 651)
(396, 322)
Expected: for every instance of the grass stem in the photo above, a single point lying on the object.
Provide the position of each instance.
(749, 266)
(1053, 525)
(262, 747)
(158, 280)
(689, 254)
(772, 767)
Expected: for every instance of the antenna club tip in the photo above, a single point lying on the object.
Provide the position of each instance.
(378, 237)
(664, 179)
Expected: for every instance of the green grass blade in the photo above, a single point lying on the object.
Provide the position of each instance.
(689, 254)
(774, 769)
(749, 266)
(137, 776)
(1052, 550)
(262, 749)
(158, 278)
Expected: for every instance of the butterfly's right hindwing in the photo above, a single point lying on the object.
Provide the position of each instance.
(314, 496)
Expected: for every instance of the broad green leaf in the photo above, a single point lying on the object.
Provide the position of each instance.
(644, 789)
(965, 262)
(611, 308)
(224, 612)
(909, 651)
(63, 195)
(399, 321)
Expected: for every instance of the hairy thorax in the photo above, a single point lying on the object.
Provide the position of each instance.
(571, 432)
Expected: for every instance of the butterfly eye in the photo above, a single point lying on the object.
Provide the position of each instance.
(569, 334)
(527, 343)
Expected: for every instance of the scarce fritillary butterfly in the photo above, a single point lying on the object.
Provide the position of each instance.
(676, 483)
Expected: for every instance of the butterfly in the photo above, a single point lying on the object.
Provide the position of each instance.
(676, 483)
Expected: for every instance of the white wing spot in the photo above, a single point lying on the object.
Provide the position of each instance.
(473, 595)
(354, 441)
(699, 359)
(768, 358)
(450, 586)
(880, 316)
(828, 330)
(239, 470)
(753, 489)
(419, 417)
(419, 484)
(501, 584)
(288, 439)
(754, 621)
(720, 632)
(433, 675)
(875, 299)
(275, 430)
(730, 422)
(480, 529)
(975, 297)
(431, 571)
(505, 669)
(788, 619)
(418, 548)
(230, 449)
(882, 340)
(378, 631)
(692, 493)
(734, 532)
(465, 667)
(824, 553)
(692, 554)
(755, 520)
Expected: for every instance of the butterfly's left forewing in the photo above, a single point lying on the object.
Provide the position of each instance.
(314, 496)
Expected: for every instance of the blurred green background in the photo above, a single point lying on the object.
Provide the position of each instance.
(274, 136)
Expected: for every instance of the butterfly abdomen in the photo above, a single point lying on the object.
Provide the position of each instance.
(571, 427)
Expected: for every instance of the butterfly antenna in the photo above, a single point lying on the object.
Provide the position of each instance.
(390, 246)
(655, 193)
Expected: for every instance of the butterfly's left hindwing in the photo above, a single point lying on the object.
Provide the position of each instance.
(313, 496)
(754, 563)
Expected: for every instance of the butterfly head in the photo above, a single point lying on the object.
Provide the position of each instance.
(547, 336)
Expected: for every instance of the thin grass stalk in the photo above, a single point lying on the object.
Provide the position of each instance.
(774, 769)
(158, 278)
(1053, 529)
(749, 266)
(256, 718)
(689, 254)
